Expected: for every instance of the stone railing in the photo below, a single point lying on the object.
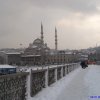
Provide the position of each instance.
(51, 76)
(20, 86)
(46, 76)
(37, 81)
(13, 86)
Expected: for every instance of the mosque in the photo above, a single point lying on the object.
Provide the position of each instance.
(38, 53)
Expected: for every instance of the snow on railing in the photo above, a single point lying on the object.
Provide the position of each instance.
(42, 77)
(36, 79)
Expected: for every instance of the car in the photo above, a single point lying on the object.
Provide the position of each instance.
(7, 69)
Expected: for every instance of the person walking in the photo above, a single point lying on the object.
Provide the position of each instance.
(84, 64)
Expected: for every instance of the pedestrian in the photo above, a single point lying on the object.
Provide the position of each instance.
(84, 64)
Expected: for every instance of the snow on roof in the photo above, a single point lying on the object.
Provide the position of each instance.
(6, 66)
(13, 53)
(84, 55)
(34, 46)
(52, 52)
(10, 52)
(30, 55)
(68, 53)
(2, 52)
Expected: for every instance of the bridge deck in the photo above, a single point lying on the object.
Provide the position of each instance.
(81, 84)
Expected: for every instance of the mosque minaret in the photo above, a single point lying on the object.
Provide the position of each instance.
(42, 33)
(56, 44)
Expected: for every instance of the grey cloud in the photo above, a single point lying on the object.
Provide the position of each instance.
(83, 6)
(20, 20)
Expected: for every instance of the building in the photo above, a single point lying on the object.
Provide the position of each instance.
(38, 53)
(61, 57)
(10, 58)
(35, 54)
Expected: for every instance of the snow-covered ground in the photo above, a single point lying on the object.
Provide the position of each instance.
(81, 84)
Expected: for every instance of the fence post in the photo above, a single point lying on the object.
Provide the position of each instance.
(65, 70)
(72, 67)
(56, 74)
(28, 84)
(68, 69)
(61, 71)
(46, 78)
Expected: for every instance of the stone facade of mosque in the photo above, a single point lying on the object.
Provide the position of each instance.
(36, 53)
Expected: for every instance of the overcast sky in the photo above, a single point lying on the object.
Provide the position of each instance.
(77, 22)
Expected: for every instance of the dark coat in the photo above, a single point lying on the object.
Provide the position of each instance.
(84, 64)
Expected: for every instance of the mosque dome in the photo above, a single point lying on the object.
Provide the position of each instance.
(37, 41)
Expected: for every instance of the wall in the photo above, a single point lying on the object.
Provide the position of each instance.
(20, 86)
(13, 86)
(44, 77)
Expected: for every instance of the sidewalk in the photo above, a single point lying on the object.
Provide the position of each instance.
(85, 85)
(81, 84)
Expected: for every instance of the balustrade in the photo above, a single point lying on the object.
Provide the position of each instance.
(51, 76)
(13, 87)
(58, 73)
(37, 81)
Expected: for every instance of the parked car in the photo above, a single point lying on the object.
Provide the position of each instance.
(7, 69)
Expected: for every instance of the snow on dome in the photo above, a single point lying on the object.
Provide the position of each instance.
(37, 41)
